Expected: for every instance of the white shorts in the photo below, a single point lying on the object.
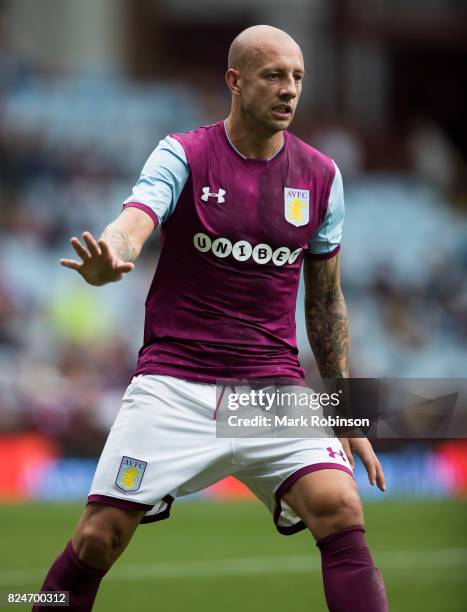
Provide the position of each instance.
(163, 445)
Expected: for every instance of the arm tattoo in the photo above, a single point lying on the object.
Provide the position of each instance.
(121, 244)
(326, 317)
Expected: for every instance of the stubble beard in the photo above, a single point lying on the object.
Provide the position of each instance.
(264, 123)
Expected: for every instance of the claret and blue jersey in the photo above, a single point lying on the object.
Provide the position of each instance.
(234, 232)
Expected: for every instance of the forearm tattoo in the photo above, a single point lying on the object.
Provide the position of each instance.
(120, 244)
(326, 317)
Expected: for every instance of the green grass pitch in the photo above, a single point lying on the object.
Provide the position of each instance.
(218, 556)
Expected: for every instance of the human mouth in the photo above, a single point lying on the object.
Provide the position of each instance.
(282, 111)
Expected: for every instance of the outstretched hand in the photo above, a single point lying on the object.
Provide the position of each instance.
(98, 265)
(364, 450)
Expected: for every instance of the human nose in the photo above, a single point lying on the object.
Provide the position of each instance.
(288, 88)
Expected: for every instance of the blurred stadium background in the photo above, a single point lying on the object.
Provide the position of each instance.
(87, 89)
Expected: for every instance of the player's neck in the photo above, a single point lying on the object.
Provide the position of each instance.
(251, 142)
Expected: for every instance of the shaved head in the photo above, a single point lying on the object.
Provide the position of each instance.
(264, 75)
(256, 42)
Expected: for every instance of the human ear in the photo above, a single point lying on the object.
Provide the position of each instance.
(232, 78)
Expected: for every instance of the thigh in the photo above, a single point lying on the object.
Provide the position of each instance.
(163, 437)
(325, 500)
(270, 468)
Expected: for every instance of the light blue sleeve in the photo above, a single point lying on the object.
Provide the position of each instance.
(162, 179)
(326, 240)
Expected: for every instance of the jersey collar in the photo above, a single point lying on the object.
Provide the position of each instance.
(244, 156)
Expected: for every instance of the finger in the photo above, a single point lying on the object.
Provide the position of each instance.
(351, 459)
(380, 480)
(71, 263)
(370, 466)
(104, 247)
(80, 249)
(91, 243)
(348, 451)
(125, 267)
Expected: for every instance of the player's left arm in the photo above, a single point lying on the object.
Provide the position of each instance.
(326, 317)
(327, 325)
(326, 313)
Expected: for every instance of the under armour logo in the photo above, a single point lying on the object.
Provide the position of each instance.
(333, 453)
(219, 195)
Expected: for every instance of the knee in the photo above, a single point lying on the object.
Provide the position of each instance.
(338, 510)
(103, 532)
(349, 510)
(97, 546)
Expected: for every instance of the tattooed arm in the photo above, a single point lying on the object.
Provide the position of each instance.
(327, 325)
(108, 259)
(326, 316)
(127, 234)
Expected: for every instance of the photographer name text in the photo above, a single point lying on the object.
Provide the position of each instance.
(301, 421)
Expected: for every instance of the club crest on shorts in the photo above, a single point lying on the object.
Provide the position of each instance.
(130, 474)
(297, 206)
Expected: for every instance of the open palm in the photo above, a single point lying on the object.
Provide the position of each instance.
(98, 265)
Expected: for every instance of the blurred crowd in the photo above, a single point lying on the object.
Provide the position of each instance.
(70, 150)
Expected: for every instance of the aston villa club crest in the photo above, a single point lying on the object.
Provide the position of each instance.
(296, 206)
(130, 474)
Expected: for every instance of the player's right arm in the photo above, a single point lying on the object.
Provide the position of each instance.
(108, 259)
(152, 201)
